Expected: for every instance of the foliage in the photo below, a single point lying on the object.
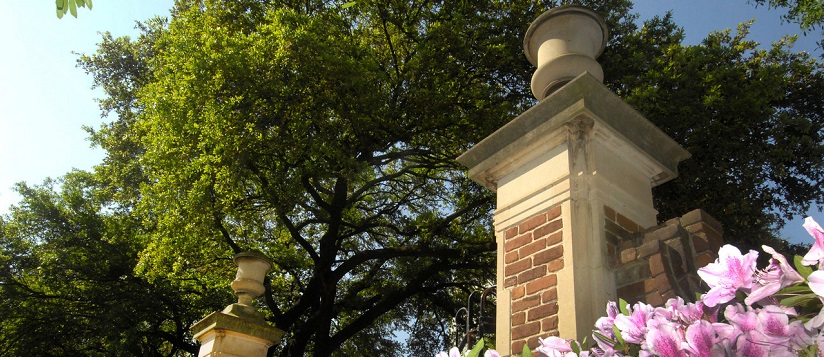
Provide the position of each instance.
(752, 119)
(807, 13)
(68, 273)
(64, 6)
(324, 135)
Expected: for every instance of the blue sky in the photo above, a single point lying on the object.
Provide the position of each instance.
(45, 99)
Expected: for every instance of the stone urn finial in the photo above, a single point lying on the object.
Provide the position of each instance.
(252, 267)
(563, 43)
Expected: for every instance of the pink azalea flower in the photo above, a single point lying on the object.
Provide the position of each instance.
(816, 282)
(730, 272)
(454, 352)
(491, 353)
(816, 253)
(776, 277)
(775, 325)
(634, 327)
(743, 319)
(816, 322)
(664, 339)
(604, 327)
(700, 338)
(554, 347)
(751, 344)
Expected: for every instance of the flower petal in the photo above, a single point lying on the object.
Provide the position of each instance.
(816, 253)
(700, 338)
(816, 280)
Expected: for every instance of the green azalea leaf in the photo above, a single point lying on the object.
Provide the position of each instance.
(795, 289)
(477, 349)
(621, 344)
(61, 4)
(348, 5)
(526, 352)
(575, 348)
(798, 300)
(622, 305)
(602, 337)
(804, 270)
(89, 4)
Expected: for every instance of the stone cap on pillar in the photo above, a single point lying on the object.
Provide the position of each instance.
(507, 148)
(218, 321)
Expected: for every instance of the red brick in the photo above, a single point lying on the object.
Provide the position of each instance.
(668, 295)
(526, 330)
(627, 244)
(609, 213)
(531, 223)
(699, 242)
(554, 238)
(537, 245)
(715, 240)
(517, 267)
(526, 303)
(662, 282)
(549, 323)
(549, 255)
(655, 299)
(637, 289)
(702, 259)
(656, 264)
(510, 282)
(518, 346)
(628, 255)
(548, 228)
(549, 295)
(533, 343)
(541, 284)
(512, 232)
(626, 223)
(532, 274)
(511, 257)
(518, 318)
(553, 213)
(518, 242)
(555, 265)
(518, 292)
(541, 311)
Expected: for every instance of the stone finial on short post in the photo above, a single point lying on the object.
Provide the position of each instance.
(248, 284)
(563, 43)
(240, 329)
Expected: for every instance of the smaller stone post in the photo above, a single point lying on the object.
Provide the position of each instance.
(240, 330)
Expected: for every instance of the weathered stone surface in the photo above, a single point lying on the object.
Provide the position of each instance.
(222, 334)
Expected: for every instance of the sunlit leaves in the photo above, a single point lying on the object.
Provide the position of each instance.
(64, 6)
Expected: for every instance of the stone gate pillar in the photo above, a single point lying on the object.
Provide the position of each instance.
(556, 169)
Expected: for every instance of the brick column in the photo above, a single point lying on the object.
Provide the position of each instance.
(554, 169)
(534, 254)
